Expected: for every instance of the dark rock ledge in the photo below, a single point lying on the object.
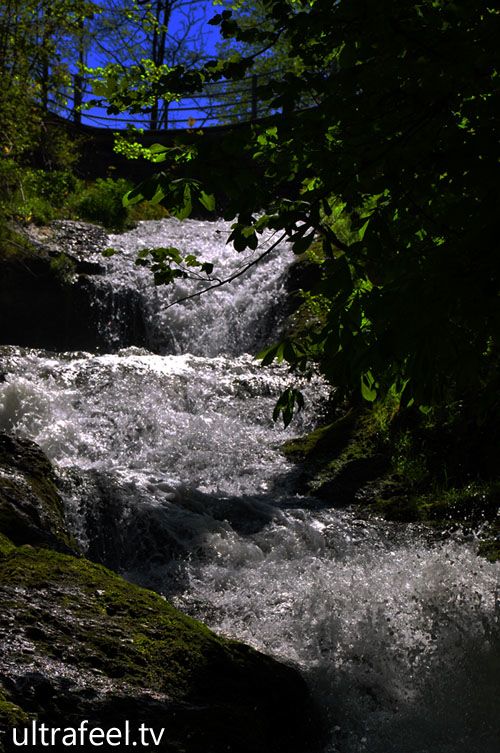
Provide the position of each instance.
(79, 642)
(54, 294)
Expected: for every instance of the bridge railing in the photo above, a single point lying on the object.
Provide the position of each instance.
(220, 103)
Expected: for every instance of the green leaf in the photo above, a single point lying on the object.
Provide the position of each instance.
(183, 210)
(362, 230)
(150, 190)
(289, 353)
(368, 387)
(289, 400)
(207, 200)
(158, 153)
(301, 245)
(268, 355)
(425, 409)
(158, 149)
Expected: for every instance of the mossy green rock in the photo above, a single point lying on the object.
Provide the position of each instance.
(491, 547)
(337, 460)
(392, 464)
(31, 510)
(82, 643)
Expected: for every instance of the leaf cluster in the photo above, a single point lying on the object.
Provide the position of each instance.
(179, 194)
(168, 264)
(400, 143)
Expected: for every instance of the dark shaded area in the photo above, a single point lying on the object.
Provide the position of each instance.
(31, 510)
(53, 302)
(99, 160)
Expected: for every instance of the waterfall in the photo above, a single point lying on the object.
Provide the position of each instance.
(232, 320)
(171, 470)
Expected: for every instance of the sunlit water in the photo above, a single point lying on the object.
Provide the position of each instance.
(233, 320)
(172, 472)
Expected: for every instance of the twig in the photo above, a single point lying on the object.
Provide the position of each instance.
(232, 277)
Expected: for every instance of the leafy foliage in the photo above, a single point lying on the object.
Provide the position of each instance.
(35, 37)
(37, 45)
(401, 145)
(102, 203)
(287, 402)
(179, 194)
(35, 195)
(168, 264)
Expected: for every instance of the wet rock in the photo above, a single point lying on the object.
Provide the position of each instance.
(53, 294)
(169, 671)
(338, 461)
(117, 536)
(79, 242)
(31, 510)
(78, 642)
(345, 484)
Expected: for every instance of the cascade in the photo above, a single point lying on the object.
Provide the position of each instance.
(235, 319)
(172, 473)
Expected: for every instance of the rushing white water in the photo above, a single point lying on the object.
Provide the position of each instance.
(172, 473)
(231, 320)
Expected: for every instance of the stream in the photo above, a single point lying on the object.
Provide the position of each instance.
(171, 472)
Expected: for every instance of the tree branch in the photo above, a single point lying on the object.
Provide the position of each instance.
(225, 281)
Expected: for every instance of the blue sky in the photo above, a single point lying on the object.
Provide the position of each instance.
(209, 36)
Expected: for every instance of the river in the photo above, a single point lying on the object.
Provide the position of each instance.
(172, 473)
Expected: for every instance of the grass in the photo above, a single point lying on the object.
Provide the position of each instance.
(39, 196)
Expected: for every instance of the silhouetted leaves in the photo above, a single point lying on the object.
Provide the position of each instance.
(394, 167)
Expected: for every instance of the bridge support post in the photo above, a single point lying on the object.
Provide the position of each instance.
(77, 97)
(255, 103)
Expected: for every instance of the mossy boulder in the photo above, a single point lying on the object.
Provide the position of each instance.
(31, 510)
(338, 459)
(473, 504)
(490, 548)
(10, 714)
(406, 468)
(82, 643)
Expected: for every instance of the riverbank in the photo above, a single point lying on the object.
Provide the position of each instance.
(438, 469)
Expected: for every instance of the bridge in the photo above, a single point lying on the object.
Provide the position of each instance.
(218, 109)
(220, 103)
